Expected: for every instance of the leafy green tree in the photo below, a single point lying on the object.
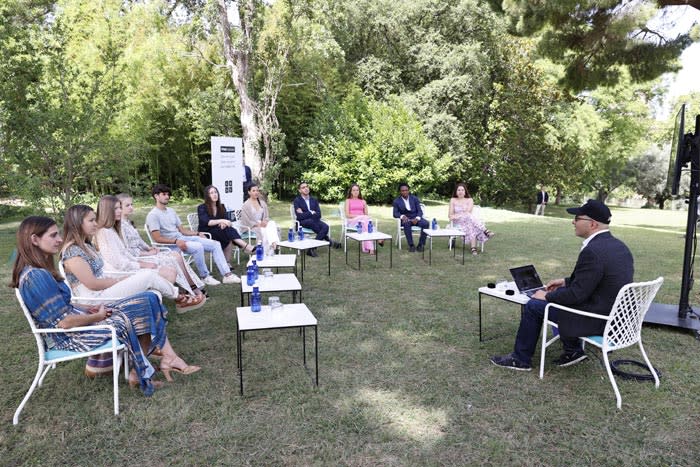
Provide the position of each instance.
(650, 175)
(375, 144)
(596, 40)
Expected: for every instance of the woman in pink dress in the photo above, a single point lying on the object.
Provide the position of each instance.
(356, 211)
(460, 214)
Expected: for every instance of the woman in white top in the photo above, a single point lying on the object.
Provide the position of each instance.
(84, 266)
(117, 257)
(255, 215)
(142, 251)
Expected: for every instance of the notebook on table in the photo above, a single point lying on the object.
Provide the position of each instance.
(527, 280)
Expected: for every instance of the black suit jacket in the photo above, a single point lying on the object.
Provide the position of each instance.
(602, 268)
(299, 202)
(539, 197)
(400, 207)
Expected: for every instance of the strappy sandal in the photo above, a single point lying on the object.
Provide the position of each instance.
(488, 233)
(474, 251)
(178, 366)
(191, 302)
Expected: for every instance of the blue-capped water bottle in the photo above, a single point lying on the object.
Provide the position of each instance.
(250, 276)
(358, 227)
(255, 270)
(260, 252)
(370, 227)
(255, 300)
(301, 233)
(435, 226)
(290, 235)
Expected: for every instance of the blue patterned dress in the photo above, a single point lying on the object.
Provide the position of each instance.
(49, 302)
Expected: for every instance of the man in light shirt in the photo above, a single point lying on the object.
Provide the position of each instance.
(166, 228)
(604, 266)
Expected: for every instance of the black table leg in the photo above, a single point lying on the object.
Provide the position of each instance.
(316, 346)
(481, 337)
(464, 241)
(329, 259)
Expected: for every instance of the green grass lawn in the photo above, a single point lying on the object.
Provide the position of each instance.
(403, 377)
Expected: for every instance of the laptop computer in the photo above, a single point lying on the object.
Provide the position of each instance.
(527, 280)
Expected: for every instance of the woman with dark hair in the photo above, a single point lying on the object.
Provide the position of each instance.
(117, 257)
(212, 219)
(139, 320)
(356, 212)
(84, 266)
(462, 218)
(256, 216)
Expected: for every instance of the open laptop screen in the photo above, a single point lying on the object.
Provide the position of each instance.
(526, 278)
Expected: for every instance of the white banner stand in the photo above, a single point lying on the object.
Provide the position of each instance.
(227, 170)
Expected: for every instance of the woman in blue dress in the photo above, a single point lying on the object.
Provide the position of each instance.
(139, 320)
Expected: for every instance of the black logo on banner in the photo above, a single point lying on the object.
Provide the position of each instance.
(228, 186)
(227, 148)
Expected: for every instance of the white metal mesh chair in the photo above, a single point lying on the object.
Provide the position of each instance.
(49, 358)
(306, 230)
(193, 222)
(415, 228)
(623, 326)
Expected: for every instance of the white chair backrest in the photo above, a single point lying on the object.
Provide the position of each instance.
(193, 221)
(27, 314)
(341, 211)
(628, 311)
(292, 213)
(148, 233)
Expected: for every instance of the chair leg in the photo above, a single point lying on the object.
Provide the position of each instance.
(37, 378)
(612, 379)
(115, 378)
(651, 368)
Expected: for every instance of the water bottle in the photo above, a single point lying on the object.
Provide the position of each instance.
(250, 276)
(290, 235)
(301, 233)
(435, 226)
(358, 227)
(370, 227)
(255, 270)
(255, 300)
(260, 252)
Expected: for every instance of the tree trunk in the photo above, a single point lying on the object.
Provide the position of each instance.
(557, 197)
(238, 61)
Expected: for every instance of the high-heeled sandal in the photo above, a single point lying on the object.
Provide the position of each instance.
(191, 302)
(183, 369)
(474, 251)
(488, 233)
(250, 249)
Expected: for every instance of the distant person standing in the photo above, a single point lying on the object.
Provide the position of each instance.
(542, 200)
(247, 181)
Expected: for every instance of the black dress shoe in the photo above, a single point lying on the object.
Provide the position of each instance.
(312, 252)
(420, 248)
(411, 248)
(335, 244)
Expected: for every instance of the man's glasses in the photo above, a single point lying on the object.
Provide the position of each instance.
(578, 218)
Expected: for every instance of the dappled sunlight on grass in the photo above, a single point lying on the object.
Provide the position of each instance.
(405, 419)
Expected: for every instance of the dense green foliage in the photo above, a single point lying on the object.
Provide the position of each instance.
(110, 96)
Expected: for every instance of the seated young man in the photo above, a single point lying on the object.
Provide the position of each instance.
(308, 213)
(166, 227)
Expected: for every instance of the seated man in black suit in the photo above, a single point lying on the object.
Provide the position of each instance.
(604, 266)
(407, 208)
(308, 213)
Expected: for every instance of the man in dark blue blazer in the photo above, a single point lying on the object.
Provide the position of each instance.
(542, 200)
(308, 213)
(604, 266)
(247, 182)
(407, 208)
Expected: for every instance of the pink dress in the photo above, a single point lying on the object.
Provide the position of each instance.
(467, 223)
(356, 208)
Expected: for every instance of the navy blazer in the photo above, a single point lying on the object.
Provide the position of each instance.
(539, 197)
(602, 269)
(400, 207)
(299, 202)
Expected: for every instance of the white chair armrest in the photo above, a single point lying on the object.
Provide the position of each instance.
(578, 312)
(92, 327)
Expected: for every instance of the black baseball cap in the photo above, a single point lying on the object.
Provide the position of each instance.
(596, 210)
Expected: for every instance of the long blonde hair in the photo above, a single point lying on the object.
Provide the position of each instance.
(105, 213)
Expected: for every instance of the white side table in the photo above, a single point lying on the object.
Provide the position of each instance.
(307, 244)
(276, 283)
(374, 237)
(291, 316)
(443, 233)
(500, 293)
